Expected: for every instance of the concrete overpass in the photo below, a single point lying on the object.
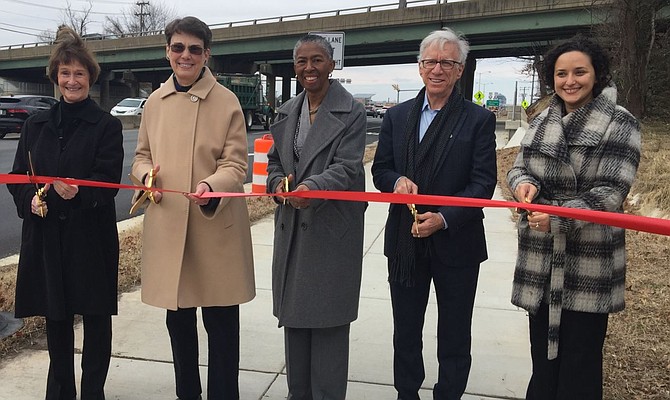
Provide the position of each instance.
(375, 35)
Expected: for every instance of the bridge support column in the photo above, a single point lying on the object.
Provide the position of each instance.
(215, 64)
(270, 84)
(130, 79)
(103, 80)
(271, 90)
(467, 81)
(285, 71)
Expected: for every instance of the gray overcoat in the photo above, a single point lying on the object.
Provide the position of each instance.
(318, 250)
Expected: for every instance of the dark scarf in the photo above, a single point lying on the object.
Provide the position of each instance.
(421, 162)
(181, 88)
(67, 117)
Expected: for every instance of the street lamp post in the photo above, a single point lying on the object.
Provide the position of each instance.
(479, 86)
(396, 87)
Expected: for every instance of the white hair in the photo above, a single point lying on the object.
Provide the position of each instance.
(442, 37)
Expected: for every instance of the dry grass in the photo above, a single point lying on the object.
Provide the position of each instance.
(637, 349)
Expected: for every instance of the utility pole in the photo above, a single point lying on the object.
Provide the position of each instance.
(142, 14)
(516, 88)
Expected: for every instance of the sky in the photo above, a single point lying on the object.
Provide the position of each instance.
(22, 20)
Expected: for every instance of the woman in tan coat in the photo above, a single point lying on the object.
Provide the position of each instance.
(196, 252)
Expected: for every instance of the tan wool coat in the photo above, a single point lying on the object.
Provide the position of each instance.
(193, 256)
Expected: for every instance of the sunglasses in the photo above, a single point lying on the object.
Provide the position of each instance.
(180, 47)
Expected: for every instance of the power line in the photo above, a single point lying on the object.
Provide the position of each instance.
(21, 27)
(15, 31)
(125, 3)
(30, 16)
(27, 3)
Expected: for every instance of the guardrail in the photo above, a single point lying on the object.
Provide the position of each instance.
(267, 20)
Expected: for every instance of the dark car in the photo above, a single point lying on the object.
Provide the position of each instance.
(15, 110)
(371, 111)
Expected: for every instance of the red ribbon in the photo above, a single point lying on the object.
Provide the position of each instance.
(626, 221)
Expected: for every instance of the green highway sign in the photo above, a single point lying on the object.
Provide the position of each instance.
(493, 103)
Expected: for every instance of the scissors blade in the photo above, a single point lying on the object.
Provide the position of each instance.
(135, 181)
(138, 203)
(32, 169)
(146, 194)
(39, 192)
(286, 188)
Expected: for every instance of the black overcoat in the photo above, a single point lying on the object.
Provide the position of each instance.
(69, 259)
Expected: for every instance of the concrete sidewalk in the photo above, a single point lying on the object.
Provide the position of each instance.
(141, 366)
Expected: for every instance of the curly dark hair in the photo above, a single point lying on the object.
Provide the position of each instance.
(68, 48)
(599, 60)
(190, 26)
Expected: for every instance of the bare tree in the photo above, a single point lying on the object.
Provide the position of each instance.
(630, 32)
(78, 20)
(141, 18)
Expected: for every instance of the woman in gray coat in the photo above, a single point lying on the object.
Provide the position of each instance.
(581, 152)
(319, 141)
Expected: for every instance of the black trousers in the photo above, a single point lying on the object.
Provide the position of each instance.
(317, 362)
(223, 359)
(96, 355)
(577, 372)
(455, 288)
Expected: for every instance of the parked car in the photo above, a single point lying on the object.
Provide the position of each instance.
(371, 111)
(382, 111)
(15, 110)
(129, 106)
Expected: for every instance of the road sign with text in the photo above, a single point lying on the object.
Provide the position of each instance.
(336, 39)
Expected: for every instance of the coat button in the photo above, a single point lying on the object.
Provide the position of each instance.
(303, 226)
(62, 216)
(281, 227)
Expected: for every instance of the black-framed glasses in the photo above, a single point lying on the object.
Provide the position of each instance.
(446, 65)
(180, 47)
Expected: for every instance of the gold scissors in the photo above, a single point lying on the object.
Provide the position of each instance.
(39, 191)
(284, 182)
(147, 194)
(415, 213)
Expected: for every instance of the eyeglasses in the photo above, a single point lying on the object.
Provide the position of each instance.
(180, 47)
(445, 64)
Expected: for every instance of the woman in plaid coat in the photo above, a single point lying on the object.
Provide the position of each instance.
(581, 152)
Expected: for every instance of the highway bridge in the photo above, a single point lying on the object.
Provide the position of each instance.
(375, 35)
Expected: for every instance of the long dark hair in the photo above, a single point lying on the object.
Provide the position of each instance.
(599, 60)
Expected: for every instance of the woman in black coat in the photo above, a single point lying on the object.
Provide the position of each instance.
(69, 243)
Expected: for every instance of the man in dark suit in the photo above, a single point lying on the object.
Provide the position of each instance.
(440, 144)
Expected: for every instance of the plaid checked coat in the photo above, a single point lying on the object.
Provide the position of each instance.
(586, 159)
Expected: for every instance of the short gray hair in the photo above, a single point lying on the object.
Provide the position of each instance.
(442, 37)
(316, 39)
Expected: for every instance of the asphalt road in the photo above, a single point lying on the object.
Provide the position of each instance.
(10, 229)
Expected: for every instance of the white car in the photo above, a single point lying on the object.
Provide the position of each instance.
(129, 106)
